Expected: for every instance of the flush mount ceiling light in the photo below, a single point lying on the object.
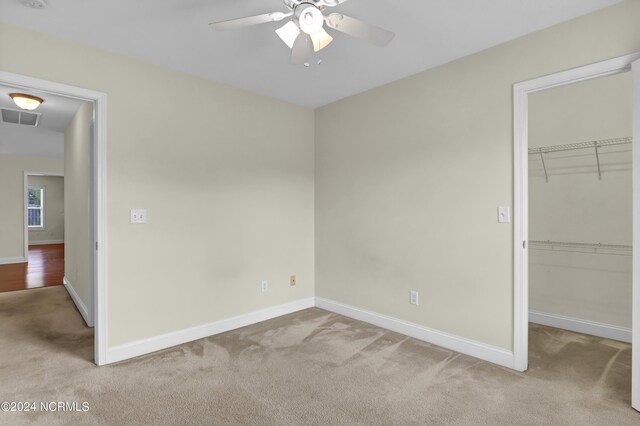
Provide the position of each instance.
(305, 32)
(24, 101)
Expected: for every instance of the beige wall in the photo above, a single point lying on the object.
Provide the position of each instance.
(12, 170)
(53, 209)
(228, 187)
(408, 178)
(77, 253)
(409, 175)
(575, 206)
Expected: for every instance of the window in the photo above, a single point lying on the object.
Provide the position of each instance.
(35, 207)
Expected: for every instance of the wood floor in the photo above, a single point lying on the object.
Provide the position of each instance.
(45, 269)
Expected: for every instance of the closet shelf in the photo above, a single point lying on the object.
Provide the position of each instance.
(580, 145)
(618, 249)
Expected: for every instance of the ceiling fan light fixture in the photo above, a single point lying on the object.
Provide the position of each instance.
(320, 40)
(288, 33)
(26, 102)
(311, 20)
(305, 33)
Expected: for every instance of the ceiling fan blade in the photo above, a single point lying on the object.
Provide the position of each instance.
(248, 21)
(301, 49)
(359, 29)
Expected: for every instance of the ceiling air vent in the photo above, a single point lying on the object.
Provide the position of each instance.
(16, 116)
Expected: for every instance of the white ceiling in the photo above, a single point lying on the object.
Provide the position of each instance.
(30, 141)
(174, 33)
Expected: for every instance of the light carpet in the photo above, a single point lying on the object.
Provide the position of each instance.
(308, 368)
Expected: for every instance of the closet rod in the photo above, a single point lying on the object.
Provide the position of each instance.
(590, 246)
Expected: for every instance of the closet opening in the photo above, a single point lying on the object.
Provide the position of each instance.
(580, 232)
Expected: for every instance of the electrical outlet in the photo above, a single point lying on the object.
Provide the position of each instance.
(138, 216)
(292, 280)
(264, 285)
(413, 297)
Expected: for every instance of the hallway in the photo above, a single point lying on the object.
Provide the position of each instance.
(45, 269)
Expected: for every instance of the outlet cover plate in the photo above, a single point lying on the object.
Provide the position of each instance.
(138, 216)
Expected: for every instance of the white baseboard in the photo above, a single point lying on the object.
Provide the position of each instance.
(8, 260)
(463, 345)
(45, 242)
(607, 331)
(88, 319)
(153, 344)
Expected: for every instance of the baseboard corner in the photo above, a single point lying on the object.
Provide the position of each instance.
(483, 351)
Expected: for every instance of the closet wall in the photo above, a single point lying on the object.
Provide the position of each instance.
(576, 209)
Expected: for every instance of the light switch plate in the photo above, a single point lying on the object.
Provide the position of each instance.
(138, 216)
(413, 297)
(504, 215)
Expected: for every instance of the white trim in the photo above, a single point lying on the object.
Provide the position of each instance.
(91, 222)
(45, 242)
(153, 344)
(78, 301)
(9, 260)
(635, 321)
(100, 277)
(593, 328)
(520, 229)
(99, 302)
(463, 345)
(521, 92)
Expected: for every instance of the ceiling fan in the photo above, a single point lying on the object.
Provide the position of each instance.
(305, 31)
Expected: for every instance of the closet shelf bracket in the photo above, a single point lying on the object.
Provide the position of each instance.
(544, 166)
(595, 145)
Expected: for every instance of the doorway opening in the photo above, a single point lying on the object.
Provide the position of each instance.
(523, 241)
(43, 229)
(43, 209)
(92, 243)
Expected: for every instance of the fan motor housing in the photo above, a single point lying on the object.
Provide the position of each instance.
(292, 4)
(310, 18)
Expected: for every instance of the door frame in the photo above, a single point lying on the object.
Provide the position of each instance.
(99, 190)
(521, 92)
(26, 175)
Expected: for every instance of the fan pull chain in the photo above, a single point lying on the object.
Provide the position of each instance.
(319, 62)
